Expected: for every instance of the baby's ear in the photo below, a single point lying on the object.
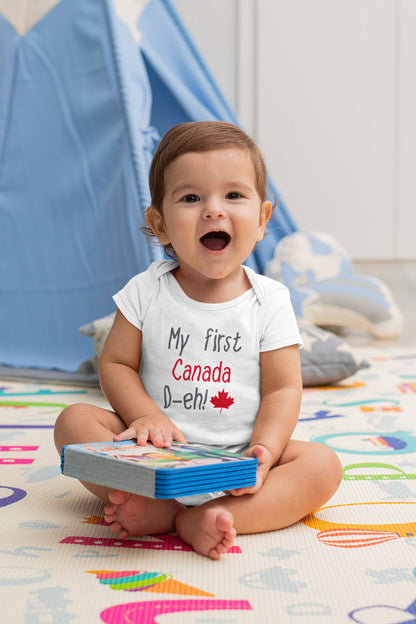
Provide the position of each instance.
(157, 223)
(265, 214)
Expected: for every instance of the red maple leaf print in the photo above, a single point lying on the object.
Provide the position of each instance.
(222, 400)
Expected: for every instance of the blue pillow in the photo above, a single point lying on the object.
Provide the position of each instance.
(326, 291)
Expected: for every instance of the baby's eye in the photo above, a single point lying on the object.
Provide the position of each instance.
(233, 195)
(190, 198)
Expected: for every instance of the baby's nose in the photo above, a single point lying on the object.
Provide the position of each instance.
(213, 209)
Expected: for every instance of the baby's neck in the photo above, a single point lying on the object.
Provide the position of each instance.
(213, 290)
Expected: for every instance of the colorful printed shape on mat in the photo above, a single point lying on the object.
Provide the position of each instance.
(407, 388)
(8, 460)
(366, 409)
(374, 471)
(370, 443)
(402, 529)
(141, 580)
(320, 415)
(49, 604)
(16, 495)
(276, 578)
(384, 614)
(31, 404)
(94, 520)
(44, 392)
(170, 543)
(146, 612)
(354, 538)
(362, 402)
(22, 575)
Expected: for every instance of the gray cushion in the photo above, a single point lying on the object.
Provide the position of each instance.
(326, 358)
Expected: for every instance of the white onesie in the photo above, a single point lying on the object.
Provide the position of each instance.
(200, 362)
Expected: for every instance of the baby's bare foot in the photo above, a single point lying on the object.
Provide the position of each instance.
(130, 514)
(209, 530)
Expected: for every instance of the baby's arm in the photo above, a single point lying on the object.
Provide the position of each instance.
(281, 395)
(118, 369)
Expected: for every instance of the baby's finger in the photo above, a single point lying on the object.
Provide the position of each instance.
(237, 492)
(142, 436)
(242, 491)
(160, 438)
(178, 436)
(127, 434)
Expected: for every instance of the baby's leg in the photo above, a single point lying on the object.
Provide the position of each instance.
(81, 423)
(128, 514)
(306, 476)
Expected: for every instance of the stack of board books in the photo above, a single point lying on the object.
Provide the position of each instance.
(180, 470)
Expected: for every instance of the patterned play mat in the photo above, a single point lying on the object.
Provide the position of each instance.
(352, 561)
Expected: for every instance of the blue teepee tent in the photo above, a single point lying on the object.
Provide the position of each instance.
(82, 106)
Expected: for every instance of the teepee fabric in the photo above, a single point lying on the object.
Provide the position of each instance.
(87, 88)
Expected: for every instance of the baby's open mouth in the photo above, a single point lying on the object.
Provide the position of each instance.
(215, 241)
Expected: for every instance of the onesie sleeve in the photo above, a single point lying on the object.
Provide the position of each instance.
(278, 326)
(132, 299)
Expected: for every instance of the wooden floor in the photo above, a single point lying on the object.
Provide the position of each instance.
(400, 278)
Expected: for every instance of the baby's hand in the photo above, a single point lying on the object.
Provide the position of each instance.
(265, 462)
(158, 430)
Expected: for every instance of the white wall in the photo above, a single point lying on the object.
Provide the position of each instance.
(327, 88)
(406, 132)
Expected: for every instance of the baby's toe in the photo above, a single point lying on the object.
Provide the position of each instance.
(115, 527)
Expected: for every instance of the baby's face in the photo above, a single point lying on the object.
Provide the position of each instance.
(213, 215)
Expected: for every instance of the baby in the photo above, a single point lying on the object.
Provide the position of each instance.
(204, 350)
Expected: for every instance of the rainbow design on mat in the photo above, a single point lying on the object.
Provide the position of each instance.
(142, 580)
